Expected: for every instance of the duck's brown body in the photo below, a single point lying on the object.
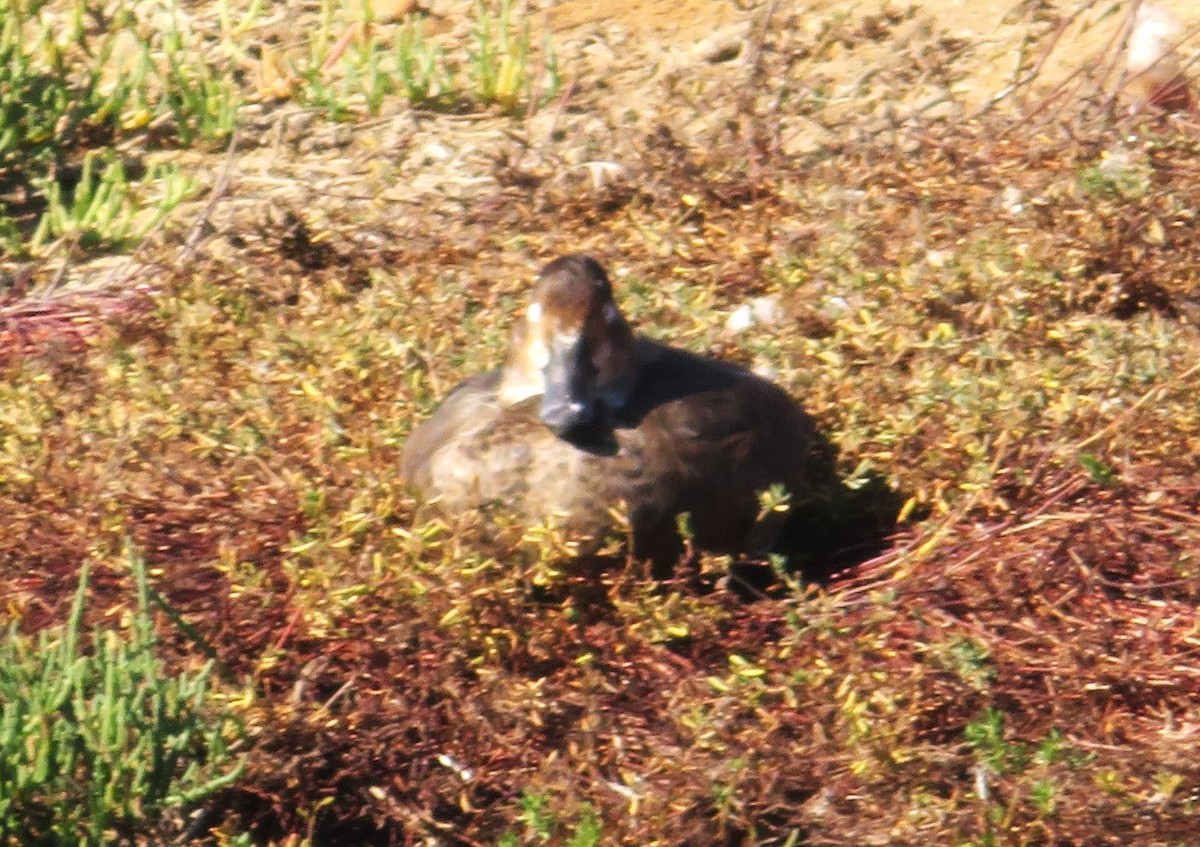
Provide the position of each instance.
(691, 435)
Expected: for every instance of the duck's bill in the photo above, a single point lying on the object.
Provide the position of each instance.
(568, 401)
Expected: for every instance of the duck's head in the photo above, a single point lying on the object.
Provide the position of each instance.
(572, 347)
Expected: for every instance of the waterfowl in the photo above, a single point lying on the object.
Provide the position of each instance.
(586, 414)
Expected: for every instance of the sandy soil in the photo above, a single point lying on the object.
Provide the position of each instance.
(812, 75)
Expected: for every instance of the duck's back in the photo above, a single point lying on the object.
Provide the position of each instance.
(697, 436)
(718, 435)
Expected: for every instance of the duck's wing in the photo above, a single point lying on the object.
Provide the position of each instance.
(468, 406)
(694, 397)
(476, 451)
(714, 435)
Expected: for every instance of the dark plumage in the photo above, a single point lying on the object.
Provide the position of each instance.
(585, 414)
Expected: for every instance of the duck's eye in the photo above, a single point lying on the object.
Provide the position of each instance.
(611, 315)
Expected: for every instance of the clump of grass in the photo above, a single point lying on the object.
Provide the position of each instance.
(1030, 773)
(498, 68)
(67, 95)
(421, 66)
(199, 97)
(98, 741)
(410, 67)
(542, 825)
(44, 107)
(105, 209)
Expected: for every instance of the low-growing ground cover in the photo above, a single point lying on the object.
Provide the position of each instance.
(991, 313)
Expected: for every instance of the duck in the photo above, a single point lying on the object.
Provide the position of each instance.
(586, 415)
